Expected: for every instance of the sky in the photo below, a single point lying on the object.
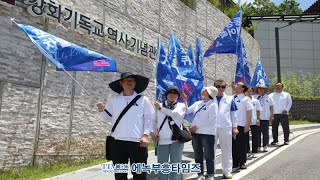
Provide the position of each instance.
(304, 4)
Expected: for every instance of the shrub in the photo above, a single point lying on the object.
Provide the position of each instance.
(299, 84)
(190, 3)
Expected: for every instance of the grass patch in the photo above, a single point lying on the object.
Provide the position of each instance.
(50, 170)
(297, 122)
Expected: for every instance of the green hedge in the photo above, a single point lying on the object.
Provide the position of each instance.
(306, 97)
(190, 3)
(299, 84)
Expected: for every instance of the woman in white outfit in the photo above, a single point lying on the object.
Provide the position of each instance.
(203, 130)
(169, 112)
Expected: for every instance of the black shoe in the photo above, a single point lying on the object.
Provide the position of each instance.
(235, 169)
(243, 166)
(274, 143)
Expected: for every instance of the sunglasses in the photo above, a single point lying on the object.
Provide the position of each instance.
(223, 87)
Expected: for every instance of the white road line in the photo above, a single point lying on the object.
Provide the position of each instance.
(255, 165)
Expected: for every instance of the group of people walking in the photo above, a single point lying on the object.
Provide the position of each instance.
(217, 118)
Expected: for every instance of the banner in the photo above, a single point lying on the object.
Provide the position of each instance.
(65, 55)
(227, 41)
(259, 76)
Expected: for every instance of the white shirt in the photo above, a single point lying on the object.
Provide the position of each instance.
(256, 107)
(206, 118)
(282, 101)
(266, 102)
(136, 122)
(244, 104)
(176, 114)
(226, 117)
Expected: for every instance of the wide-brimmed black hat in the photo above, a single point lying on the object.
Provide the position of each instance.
(141, 83)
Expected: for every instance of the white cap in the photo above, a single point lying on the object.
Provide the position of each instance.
(213, 91)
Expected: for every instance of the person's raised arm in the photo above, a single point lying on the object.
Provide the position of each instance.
(105, 111)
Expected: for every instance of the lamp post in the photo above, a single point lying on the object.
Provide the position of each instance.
(276, 29)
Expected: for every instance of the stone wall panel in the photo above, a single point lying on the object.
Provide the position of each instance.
(20, 62)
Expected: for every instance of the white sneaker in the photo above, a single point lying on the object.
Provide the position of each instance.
(227, 175)
(201, 177)
(265, 149)
(254, 155)
(260, 149)
(210, 177)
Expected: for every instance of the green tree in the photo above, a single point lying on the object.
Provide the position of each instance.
(226, 6)
(260, 7)
(289, 7)
(266, 7)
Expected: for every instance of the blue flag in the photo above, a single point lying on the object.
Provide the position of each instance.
(172, 56)
(190, 54)
(195, 74)
(164, 76)
(177, 69)
(242, 69)
(65, 55)
(227, 41)
(187, 77)
(188, 80)
(192, 88)
(185, 65)
(199, 63)
(259, 76)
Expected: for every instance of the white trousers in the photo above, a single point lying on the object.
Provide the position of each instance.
(224, 135)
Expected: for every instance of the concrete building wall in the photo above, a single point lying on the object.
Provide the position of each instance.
(299, 47)
(69, 124)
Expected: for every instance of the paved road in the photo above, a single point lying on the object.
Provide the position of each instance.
(95, 172)
(299, 161)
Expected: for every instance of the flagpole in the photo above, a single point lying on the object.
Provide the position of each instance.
(215, 67)
(239, 38)
(155, 72)
(252, 55)
(77, 82)
(62, 67)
